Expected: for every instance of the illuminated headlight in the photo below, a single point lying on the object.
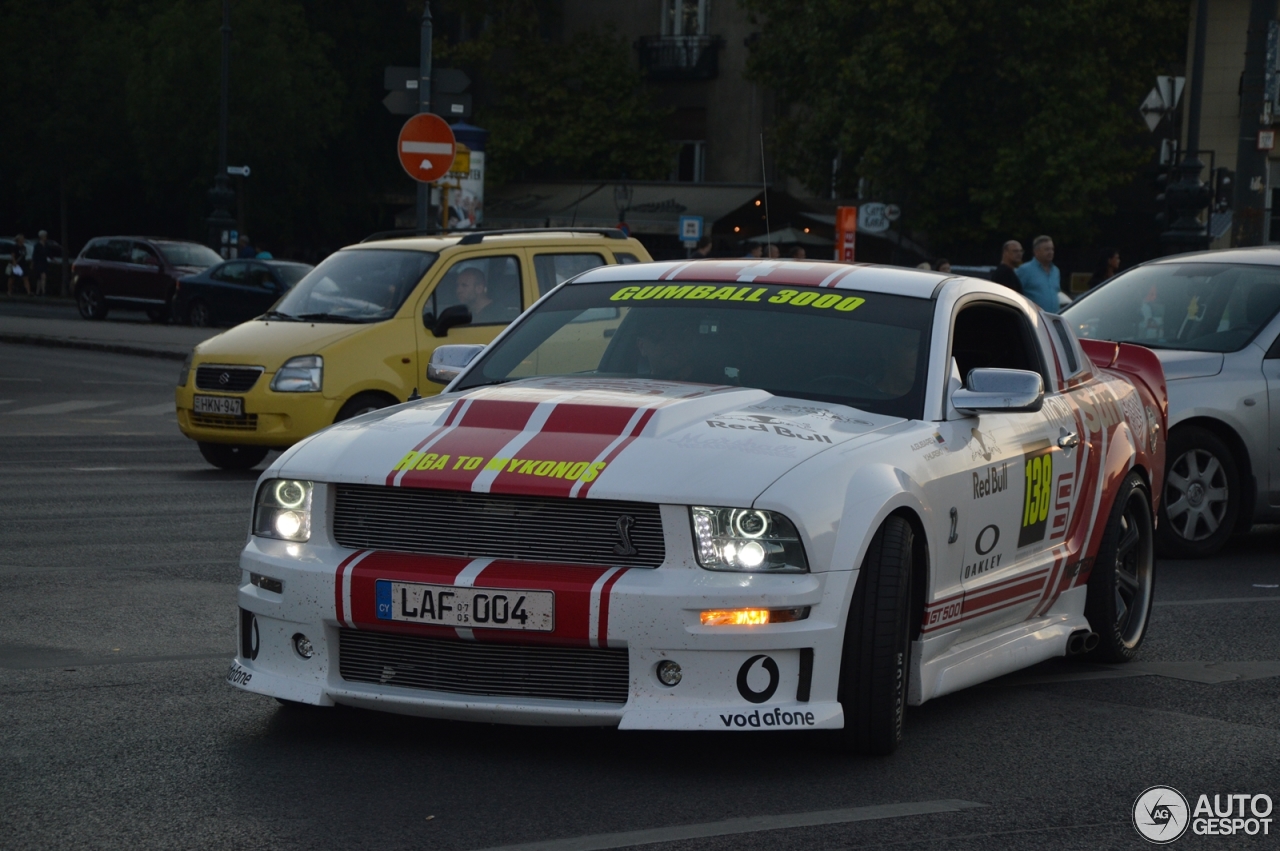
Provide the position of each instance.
(299, 375)
(186, 372)
(283, 510)
(746, 539)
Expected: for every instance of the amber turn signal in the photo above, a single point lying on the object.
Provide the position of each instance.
(752, 617)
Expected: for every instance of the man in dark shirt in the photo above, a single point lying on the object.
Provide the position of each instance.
(1010, 260)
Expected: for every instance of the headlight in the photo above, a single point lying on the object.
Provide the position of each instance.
(283, 510)
(186, 372)
(746, 539)
(299, 375)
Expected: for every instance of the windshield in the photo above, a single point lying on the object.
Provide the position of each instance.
(860, 349)
(1207, 307)
(291, 273)
(188, 254)
(357, 285)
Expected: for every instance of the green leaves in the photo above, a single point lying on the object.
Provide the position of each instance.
(981, 118)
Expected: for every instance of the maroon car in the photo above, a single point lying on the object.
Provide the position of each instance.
(134, 273)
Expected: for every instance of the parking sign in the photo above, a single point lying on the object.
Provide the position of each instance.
(690, 230)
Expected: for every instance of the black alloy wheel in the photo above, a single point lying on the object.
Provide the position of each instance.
(198, 314)
(1202, 494)
(877, 644)
(232, 456)
(90, 303)
(1123, 580)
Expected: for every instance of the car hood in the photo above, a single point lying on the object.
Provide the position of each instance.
(1182, 364)
(603, 439)
(269, 344)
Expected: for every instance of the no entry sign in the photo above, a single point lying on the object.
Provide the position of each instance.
(426, 147)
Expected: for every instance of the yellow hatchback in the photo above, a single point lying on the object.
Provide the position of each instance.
(357, 333)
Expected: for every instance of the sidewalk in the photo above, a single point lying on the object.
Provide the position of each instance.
(127, 338)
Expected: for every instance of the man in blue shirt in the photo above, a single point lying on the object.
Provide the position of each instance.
(1041, 280)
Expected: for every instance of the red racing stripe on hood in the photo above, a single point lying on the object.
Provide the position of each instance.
(454, 461)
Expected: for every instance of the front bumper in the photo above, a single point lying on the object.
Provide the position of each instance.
(271, 419)
(734, 678)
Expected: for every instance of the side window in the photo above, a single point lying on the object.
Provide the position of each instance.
(231, 273)
(1068, 346)
(142, 255)
(260, 276)
(95, 250)
(488, 286)
(993, 336)
(625, 258)
(118, 251)
(554, 269)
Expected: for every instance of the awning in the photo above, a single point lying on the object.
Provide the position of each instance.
(791, 236)
(649, 208)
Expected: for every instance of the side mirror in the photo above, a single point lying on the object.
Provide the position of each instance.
(447, 362)
(458, 314)
(999, 390)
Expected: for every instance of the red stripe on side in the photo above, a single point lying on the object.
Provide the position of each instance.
(985, 600)
(608, 459)
(337, 588)
(602, 637)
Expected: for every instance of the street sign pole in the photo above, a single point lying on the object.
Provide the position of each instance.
(424, 106)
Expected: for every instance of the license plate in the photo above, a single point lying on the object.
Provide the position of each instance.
(232, 406)
(448, 605)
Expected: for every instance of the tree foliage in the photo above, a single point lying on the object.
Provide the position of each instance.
(575, 108)
(981, 118)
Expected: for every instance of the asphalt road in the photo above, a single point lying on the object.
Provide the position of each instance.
(118, 552)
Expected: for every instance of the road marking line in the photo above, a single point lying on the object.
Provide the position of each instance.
(731, 827)
(7, 378)
(147, 411)
(61, 407)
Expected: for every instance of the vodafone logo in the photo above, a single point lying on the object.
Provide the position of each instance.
(745, 679)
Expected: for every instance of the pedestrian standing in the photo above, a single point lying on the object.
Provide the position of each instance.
(774, 251)
(247, 251)
(703, 251)
(19, 270)
(754, 252)
(1006, 273)
(1108, 265)
(942, 264)
(40, 260)
(1041, 280)
(798, 253)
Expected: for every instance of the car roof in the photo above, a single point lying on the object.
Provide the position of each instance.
(896, 280)
(1264, 256)
(509, 240)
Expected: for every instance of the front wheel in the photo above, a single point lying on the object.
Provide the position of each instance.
(1201, 495)
(232, 456)
(877, 644)
(90, 303)
(1118, 605)
(198, 315)
(363, 403)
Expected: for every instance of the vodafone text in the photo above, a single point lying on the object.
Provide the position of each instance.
(776, 718)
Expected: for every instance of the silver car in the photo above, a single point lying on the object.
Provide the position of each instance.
(1211, 318)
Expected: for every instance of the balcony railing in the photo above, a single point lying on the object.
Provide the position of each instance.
(680, 57)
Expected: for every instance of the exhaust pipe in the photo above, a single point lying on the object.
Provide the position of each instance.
(1081, 641)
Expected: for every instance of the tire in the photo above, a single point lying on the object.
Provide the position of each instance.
(90, 302)
(232, 456)
(198, 314)
(363, 403)
(1202, 494)
(1122, 584)
(158, 314)
(877, 644)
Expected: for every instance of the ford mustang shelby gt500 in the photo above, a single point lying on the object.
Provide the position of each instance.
(715, 495)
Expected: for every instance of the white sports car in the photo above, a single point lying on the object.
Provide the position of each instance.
(721, 495)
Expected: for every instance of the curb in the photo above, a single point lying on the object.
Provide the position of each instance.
(91, 345)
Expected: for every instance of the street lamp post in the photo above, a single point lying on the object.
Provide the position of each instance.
(1188, 197)
(221, 195)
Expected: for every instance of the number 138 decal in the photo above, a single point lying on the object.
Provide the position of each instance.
(1038, 479)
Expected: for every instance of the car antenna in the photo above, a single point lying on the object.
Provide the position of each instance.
(764, 177)
(413, 397)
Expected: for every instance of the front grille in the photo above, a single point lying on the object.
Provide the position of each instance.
(232, 379)
(499, 670)
(481, 525)
(249, 422)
